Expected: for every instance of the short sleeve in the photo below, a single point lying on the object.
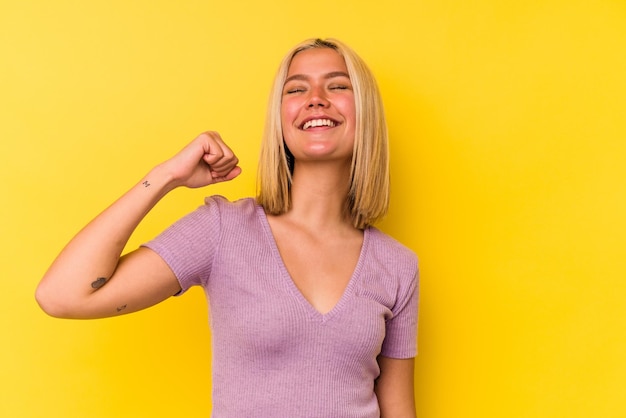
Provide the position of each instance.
(189, 245)
(401, 329)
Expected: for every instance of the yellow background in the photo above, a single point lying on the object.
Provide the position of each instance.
(508, 126)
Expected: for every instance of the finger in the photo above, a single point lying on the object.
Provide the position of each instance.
(218, 155)
(225, 164)
(228, 176)
(213, 155)
(212, 146)
(224, 172)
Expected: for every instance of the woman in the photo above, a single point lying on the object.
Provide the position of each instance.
(313, 311)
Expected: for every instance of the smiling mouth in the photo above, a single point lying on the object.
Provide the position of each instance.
(314, 123)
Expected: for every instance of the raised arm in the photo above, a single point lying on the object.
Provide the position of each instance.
(90, 279)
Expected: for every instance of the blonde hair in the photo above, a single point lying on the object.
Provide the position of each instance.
(368, 196)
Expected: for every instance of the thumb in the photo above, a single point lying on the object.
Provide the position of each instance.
(229, 176)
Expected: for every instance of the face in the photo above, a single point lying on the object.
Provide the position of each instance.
(317, 109)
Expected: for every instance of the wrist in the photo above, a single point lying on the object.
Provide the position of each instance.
(159, 180)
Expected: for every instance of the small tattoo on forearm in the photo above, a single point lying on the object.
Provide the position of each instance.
(121, 308)
(146, 183)
(101, 281)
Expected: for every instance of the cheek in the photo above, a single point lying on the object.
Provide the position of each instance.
(288, 112)
(348, 108)
(287, 118)
(352, 108)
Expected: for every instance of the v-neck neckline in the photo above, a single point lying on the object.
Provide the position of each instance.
(348, 291)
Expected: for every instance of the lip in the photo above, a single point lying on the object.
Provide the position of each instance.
(335, 122)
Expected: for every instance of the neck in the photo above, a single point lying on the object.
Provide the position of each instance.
(319, 194)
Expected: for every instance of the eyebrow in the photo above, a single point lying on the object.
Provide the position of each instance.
(332, 74)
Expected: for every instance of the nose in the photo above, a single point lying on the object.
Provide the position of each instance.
(317, 98)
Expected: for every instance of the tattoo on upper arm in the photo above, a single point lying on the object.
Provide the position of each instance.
(121, 308)
(99, 282)
(146, 183)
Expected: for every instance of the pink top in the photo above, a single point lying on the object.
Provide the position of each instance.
(274, 354)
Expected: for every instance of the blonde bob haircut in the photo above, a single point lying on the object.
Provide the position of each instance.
(368, 196)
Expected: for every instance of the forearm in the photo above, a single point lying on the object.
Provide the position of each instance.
(395, 389)
(90, 259)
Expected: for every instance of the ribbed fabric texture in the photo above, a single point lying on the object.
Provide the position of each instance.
(274, 354)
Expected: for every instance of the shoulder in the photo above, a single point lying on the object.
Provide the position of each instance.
(391, 273)
(390, 252)
(236, 214)
(227, 207)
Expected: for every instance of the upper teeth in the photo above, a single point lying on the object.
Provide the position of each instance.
(318, 122)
